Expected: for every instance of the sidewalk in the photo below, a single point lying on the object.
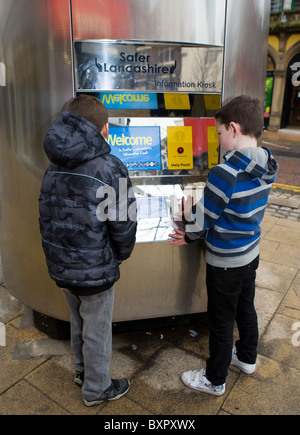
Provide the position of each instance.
(36, 375)
(289, 136)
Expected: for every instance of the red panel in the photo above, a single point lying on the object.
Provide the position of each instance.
(199, 133)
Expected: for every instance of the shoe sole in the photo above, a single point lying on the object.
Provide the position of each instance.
(99, 402)
(202, 391)
(120, 395)
(246, 372)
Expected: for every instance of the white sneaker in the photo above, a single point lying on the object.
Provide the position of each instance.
(196, 380)
(249, 369)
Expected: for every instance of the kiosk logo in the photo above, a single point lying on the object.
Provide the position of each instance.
(2, 74)
(138, 64)
(296, 76)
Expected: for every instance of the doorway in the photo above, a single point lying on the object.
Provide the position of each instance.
(291, 105)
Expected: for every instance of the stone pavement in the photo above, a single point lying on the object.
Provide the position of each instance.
(284, 205)
(36, 375)
(285, 147)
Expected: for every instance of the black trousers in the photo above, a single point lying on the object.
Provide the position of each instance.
(231, 294)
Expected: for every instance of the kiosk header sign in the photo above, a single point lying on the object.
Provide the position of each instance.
(158, 68)
(129, 100)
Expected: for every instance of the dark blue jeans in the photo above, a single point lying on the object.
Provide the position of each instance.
(231, 294)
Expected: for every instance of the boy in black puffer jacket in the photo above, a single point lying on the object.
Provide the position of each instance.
(88, 227)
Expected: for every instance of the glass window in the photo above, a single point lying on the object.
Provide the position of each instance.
(297, 4)
(288, 5)
(276, 5)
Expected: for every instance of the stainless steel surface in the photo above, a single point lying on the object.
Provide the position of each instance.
(189, 21)
(36, 51)
(246, 48)
(35, 46)
(159, 281)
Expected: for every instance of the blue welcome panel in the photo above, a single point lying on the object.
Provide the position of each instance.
(129, 100)
(139, 148)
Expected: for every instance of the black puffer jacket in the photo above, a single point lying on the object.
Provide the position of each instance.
(84, 220)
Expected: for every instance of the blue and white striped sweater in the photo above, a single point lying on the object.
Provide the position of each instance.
(233, 206)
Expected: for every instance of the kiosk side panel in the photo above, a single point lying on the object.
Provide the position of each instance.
(246, 48)
(35, 46)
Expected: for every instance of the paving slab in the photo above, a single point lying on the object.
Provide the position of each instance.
(267, 224)
(275, 277)
(160, 390)
(280, 342)
(24, 399)
(273, 390)
(291, 303)
(13, 371)
(266, 303)
(280, 253)
(55, 379)
(124, 407)
(292, 202)
(281, 235)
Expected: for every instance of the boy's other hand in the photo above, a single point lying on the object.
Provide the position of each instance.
(178, 238)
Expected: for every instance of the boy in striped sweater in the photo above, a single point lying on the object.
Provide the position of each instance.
(228, 217)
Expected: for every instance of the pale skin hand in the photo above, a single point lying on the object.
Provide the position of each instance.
(178, 237)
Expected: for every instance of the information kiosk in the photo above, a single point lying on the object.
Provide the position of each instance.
(163, 69)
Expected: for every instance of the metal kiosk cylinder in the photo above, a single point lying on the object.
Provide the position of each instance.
(163, 69)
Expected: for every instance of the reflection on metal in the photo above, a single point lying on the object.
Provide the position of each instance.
(246, 55)
(158, 281)
(186, 22)
(2, 74)
(139, 67)
(35, 46)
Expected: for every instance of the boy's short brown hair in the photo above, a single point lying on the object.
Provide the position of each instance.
(90, 108)
(245, 111)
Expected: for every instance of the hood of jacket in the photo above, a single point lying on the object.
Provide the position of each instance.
(257, 162)
(72, 140)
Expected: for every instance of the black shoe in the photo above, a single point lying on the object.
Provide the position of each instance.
(117, 390)
(79, 378)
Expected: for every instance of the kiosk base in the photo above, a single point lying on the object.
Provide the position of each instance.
(57, 329)
(60, 330)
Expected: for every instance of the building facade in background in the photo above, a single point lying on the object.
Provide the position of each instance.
(283, 72)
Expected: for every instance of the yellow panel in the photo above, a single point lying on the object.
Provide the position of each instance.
(213, 147)
(180, 148)
(212, 102)
(177, 102)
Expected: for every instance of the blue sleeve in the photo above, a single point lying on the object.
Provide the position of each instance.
(216, 197)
